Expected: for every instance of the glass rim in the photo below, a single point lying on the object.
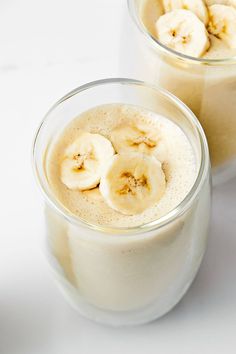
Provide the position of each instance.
(154, 42)
(149, 226)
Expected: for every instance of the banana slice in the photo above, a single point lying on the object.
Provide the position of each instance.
(132, 182)
(182, 31)
(139, 138)
(221, 2)
(93, 194)
(83, 161)
(198, 7)
(222, 23)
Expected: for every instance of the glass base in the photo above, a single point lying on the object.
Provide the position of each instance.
(121, 318)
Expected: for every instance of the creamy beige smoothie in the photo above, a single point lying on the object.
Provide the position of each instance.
(125, 173)
(199, 68)
(217, 48)
(174, 150)
(118, 272)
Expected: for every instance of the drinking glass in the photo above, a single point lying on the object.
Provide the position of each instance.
(124, 276)
(206, 86)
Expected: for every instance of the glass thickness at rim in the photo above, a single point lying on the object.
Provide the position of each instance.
(166, 219)
(154, 42)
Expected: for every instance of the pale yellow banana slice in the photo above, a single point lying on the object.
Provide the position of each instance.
(93, 194)
(139, 138)
(198, 7)
(182, 31)
(84, 159)
(222, 23)
(132, 182)
(221, 2)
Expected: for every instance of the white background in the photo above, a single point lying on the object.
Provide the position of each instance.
(47, 48)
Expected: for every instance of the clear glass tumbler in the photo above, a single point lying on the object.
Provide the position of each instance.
(206, 86)
(125, 276)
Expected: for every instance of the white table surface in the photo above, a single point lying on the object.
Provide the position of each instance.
(47, 48)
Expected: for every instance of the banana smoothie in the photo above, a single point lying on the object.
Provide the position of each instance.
(127, 140)
(189, 48)
(195, 28)
(128, 199)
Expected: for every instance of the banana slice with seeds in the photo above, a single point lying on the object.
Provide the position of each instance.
(84, 159)
(139, 138)
(222, 23)
(198, 7)
(132, 182)
(182, 31)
